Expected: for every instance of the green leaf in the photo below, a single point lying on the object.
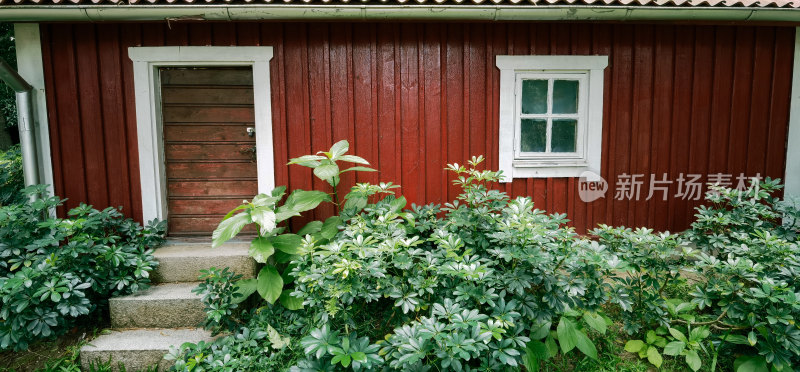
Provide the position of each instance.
(552, 348)
(312, 227)
(290, 302)
(654, 357)
(567, 334)
(398, 204)
(338, 149)
(279, 191)
(331, 227)
(261, 249)
(327, 172)
(749, 363)
(265, 218)
(302, 200)
(270, 284)
(678, 334)
(362, 169)
(278, 342)
(246, 288)
(264, 200)
(281, 257)
(353, 159)
(356, 202)
(633, 346)
(585, 345)
(535, 351)
(693, 360)
(674, 348)
(751, 338)
(287, 243)
(229, 228)
(541, 332)
(595, 321)
(310, 161)
(284, 213)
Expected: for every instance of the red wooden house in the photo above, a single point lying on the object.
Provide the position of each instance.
(179, 109)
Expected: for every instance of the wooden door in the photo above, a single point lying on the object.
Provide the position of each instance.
(209, 153)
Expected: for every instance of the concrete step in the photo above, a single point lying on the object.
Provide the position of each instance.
(160, 306)
(138, 349)
(181, 261)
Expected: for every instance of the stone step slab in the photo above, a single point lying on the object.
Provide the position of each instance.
(171, 305)
(138, 349)
(181, 261)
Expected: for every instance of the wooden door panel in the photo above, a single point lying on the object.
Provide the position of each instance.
(221, 132)
(196, 206)
(210, 165)
(210, 170)
(206, 114)
(209, 151)
(208, 95)
(201, 187)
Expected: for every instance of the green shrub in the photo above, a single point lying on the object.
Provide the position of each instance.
(53, 271)
(11, 180)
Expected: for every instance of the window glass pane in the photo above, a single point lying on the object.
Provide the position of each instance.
(564, 135)
(565, 96)
(534, 96)
(533, 133)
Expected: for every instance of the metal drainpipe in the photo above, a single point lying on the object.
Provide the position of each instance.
(27, 139)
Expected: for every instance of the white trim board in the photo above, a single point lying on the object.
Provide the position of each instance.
(792, 174)
(28, 43)
(146, 61)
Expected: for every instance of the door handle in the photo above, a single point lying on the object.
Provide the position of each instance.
(251, 132)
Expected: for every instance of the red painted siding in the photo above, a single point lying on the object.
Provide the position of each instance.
(413, 97)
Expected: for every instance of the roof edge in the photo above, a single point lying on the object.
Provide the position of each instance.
(289, 12)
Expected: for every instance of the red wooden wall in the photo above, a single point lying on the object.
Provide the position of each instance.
(412, 97)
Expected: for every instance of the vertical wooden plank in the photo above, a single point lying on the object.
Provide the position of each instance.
(700, 121)
(724, 47)
(200, 34)
(176, 34)
(223, 34)
(430, 72)
(388, 153)
(409, 115)
(69, 120)
(110, 71)
(663, 76)
(297, 103)
(153, 34)
(453, 93)
(130, 35)
(319, 101)
(760, 97)
(622, 102)
(247, 34)
(360, 58)
(681, 129)
(581, 44)
(339, 83)
(641, 124)
(779, 102)
(94, 151)
(740, 104)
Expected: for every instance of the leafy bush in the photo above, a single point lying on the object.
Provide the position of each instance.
(221, 296)
(461, 292)
(11, 180)
(491, 283)
(54, 271)
(260, 344)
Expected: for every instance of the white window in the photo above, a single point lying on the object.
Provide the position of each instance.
(551, 115)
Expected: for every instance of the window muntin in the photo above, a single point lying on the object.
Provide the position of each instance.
(550, 116)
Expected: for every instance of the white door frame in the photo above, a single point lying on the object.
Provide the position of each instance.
(146, 61)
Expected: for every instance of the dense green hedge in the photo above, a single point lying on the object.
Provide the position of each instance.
(489, 283)
(55, 271)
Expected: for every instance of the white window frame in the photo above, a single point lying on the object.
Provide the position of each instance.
(146, 63)
(589, 70)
